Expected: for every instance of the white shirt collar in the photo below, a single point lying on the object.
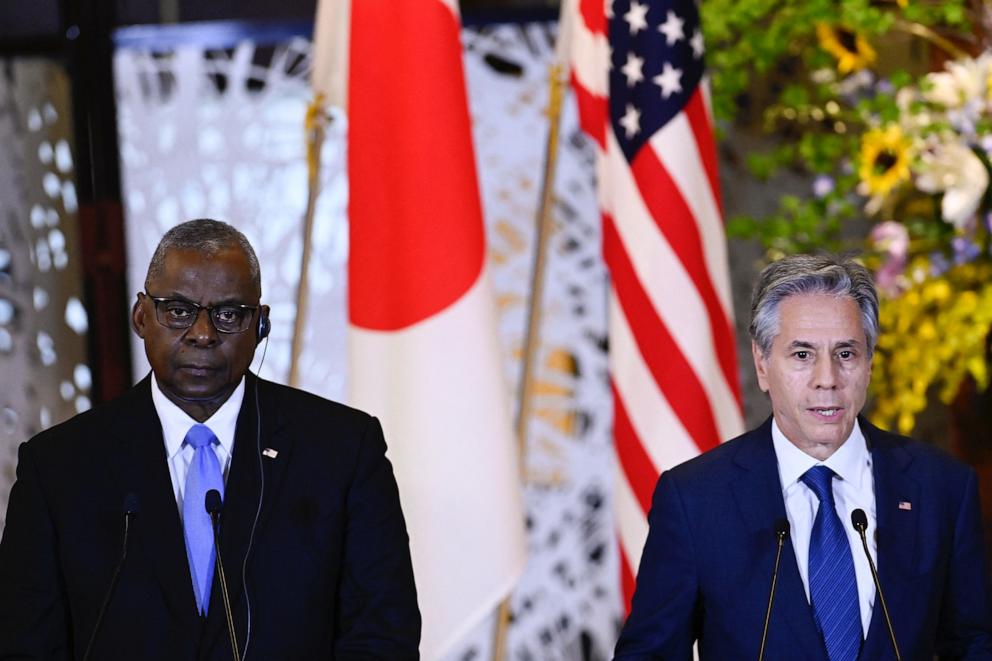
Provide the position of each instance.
(176, 422)
(847, 461)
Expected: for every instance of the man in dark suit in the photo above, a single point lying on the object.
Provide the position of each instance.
(707, 565)
(312, 538)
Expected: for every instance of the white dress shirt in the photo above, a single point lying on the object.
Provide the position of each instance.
(176, 423)
(854, 487)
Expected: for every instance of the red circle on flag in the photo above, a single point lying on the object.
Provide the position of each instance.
(417, 241)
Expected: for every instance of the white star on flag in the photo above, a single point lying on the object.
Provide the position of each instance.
(633, 69)
(672, 28)
(637, 17)
(608, 8)
(697, 44)
(631, 121)
(669, 80)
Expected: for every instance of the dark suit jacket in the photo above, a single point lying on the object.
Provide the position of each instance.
(328, 573)
(707, 564)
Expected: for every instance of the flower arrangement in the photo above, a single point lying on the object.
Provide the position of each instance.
(898, 164)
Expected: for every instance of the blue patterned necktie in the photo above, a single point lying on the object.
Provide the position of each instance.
(833, 587)
(203, 475)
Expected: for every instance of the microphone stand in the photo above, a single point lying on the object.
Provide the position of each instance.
(781, 533)
(213, 505)
(860, 521)
(130, 511)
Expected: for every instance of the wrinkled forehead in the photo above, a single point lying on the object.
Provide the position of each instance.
(818, 318)
(206, 276)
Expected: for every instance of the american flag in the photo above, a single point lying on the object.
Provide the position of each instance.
(637, 68)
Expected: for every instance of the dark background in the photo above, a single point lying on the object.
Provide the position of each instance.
(44, 20)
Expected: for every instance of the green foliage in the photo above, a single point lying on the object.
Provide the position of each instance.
(765, 164)
(766, 55)
(749, 40)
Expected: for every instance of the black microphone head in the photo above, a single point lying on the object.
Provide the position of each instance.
(859, 519)
(782, 528)
(213, 502)
(131, 504)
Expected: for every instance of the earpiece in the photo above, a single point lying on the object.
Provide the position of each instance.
(264, 326)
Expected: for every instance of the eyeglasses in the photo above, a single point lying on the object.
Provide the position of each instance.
(179, 314)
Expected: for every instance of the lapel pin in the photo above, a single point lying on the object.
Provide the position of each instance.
(905, 505)
(272, 454)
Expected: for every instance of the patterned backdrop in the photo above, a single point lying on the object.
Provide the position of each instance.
(567, 604)
(215, 129)
(44, 378)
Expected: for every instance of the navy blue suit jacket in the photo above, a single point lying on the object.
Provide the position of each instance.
(328, 575)
(706, 568)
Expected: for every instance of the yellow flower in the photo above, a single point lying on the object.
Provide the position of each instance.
(852, 50)
(885, 157)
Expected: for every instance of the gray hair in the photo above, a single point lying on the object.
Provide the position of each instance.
(207, 237)
(811, 274)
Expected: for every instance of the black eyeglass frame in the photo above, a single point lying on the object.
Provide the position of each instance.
(197, 307)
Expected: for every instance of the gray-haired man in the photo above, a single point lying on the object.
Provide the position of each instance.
(312, 534)
(708, 561)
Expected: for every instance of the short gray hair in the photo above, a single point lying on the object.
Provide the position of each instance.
(811, 274)
(207, 237)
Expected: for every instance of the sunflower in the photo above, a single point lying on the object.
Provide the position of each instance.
(885, 158)
(852, 50)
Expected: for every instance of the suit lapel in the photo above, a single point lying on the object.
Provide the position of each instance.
(897, 507)
(140, 466)
(241, 494)
(759, 497)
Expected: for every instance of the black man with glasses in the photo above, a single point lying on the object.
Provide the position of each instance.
(312, 537)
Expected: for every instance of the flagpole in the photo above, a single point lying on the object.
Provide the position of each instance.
(545, 227)
(316, 121)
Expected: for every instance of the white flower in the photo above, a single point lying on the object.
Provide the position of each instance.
(912, 120)
(823, 76)
(963, 80)
(904, 99)
(955, 170)
(856, 82)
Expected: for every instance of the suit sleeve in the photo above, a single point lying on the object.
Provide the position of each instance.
(32, 604)
(378, 616)
(966, 615)
(663, 610)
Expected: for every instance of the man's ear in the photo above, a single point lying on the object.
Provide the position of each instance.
(138, 318)
(264, 325)
(760, 366)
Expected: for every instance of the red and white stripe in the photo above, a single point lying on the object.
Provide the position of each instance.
(672, 349)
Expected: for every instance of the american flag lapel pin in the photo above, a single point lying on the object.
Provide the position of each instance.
(272, 454)
(905, 505)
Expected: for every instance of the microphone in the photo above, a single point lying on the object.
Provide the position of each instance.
(213, 504)
(130, 512)
(781, 534)
(860, 522)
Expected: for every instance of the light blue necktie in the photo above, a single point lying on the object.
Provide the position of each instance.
(833, 587)
(203, 475)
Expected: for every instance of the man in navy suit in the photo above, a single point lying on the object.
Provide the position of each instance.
(312, 537)
(707, 564)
